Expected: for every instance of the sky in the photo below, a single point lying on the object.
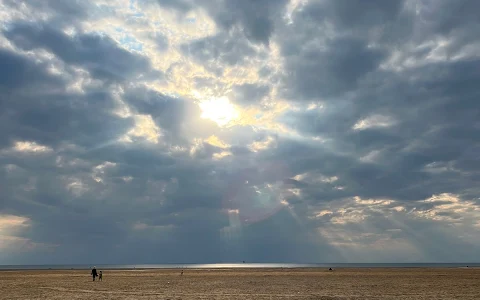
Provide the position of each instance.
(205, 131)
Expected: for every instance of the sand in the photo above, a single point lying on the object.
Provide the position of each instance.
(400, 283)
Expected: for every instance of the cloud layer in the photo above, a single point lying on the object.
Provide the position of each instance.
(222, 131)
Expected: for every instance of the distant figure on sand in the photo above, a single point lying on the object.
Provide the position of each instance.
(100, 276)
(181, 273)
(330, 269)
(94, 273)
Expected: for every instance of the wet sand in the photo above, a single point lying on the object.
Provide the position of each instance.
(364, 283)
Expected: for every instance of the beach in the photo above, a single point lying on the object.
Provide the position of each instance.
(360, 283)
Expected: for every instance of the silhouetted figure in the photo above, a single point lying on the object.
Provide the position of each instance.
(100, 276)
(94, 273)
(330, 269)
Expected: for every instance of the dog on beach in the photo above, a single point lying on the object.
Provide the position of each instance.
(100, 276)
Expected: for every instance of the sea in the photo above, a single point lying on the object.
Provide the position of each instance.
(240, 265)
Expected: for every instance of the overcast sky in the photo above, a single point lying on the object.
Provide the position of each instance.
(176, 131)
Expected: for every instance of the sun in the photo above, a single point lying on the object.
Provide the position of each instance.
(219, 110)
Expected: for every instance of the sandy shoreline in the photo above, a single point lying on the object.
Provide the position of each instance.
(294, 283)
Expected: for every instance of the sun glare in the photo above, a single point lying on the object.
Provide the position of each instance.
(219, 110)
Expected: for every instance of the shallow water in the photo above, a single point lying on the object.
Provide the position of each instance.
(241, 265)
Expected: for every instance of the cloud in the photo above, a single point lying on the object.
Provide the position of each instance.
(22, 71)
(348, 131)
(250, 93)
(255, 18)
(181, 5)
(101, 56)
(11, 241)
(222, 49)
(58, 12)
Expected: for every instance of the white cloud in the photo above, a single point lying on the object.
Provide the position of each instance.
(30, 147)
(448, 207)
(373, 122)
(262, 145)
(99, 171)
(315, 177)
(144, 128)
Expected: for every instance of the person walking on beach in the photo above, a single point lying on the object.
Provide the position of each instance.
(100, 276)
(94, 273)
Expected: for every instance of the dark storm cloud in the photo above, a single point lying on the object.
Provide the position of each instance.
(428, 115)
(250, 93)
(445, 132)
(219, 50)
(255, 18)
(49, 115)
(328, 50)
(181, 5)
(446, 17)
(183, 204)
(18, 71)
(432, 112)
(100, 55)
(333, 71)
(56, 190)
(36, 107)
(350, 15)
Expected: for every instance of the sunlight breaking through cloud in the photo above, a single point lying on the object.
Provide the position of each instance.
(220, 110)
